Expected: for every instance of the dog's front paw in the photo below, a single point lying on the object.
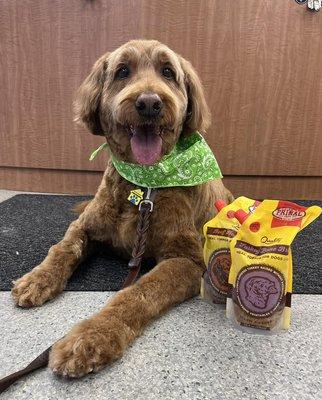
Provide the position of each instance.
(88, 347)
(34, 288)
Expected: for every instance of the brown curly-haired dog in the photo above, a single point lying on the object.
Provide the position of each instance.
(145, 87)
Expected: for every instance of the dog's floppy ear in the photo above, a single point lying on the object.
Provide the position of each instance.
(198, 114)
(88, 97)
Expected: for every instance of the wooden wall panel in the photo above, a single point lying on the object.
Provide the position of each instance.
(50, 180)
(261, 64)
(47, 48)
(86, 182)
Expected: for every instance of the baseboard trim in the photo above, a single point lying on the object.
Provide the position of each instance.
(86, 182)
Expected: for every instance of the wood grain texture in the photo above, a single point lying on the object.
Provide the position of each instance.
(86, 182)
(47, 49)
(50, 180)
(261, 64)
(275, 187)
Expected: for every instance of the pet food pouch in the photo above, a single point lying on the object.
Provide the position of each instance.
(261, 271)
(218, 234)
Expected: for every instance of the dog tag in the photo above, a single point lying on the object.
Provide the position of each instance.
(136, 195)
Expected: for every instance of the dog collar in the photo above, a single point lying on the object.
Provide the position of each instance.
(190, 163)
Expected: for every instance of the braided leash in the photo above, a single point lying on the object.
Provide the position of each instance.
(145, 210)
(39, 362)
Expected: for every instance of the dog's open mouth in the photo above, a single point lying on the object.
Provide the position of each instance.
(146, 143)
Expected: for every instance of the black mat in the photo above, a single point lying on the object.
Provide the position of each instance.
(30, 224)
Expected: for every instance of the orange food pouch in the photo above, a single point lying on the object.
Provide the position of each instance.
(261, 272)
(219, 233)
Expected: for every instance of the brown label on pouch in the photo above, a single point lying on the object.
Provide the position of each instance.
(218, 269)
(260, 250)
(221, 232)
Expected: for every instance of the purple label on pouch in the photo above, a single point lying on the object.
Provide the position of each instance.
(259, 289)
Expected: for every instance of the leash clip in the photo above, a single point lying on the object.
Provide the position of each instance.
(148, 202)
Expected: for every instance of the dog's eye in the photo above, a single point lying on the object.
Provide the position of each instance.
(122, 73)
(168, 73)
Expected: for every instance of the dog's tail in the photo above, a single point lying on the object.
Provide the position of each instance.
(80, 207)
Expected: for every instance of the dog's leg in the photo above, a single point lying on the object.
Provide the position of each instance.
(95, 342)
(49, 278)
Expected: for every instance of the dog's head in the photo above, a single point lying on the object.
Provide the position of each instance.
(142, 97)
(258, 290)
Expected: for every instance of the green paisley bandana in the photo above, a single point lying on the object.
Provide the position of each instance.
(190, 163)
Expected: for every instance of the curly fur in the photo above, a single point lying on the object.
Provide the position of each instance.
(106, 106)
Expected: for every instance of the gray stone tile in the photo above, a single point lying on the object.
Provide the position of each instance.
(6, 194)
(192, 352)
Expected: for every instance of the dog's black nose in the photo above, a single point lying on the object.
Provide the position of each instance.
(148, 105)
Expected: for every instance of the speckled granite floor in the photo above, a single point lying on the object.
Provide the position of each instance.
(192, 353)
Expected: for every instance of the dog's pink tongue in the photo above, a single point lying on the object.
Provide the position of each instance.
(146, 147)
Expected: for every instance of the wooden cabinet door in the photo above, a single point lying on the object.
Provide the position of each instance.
(260, 62)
